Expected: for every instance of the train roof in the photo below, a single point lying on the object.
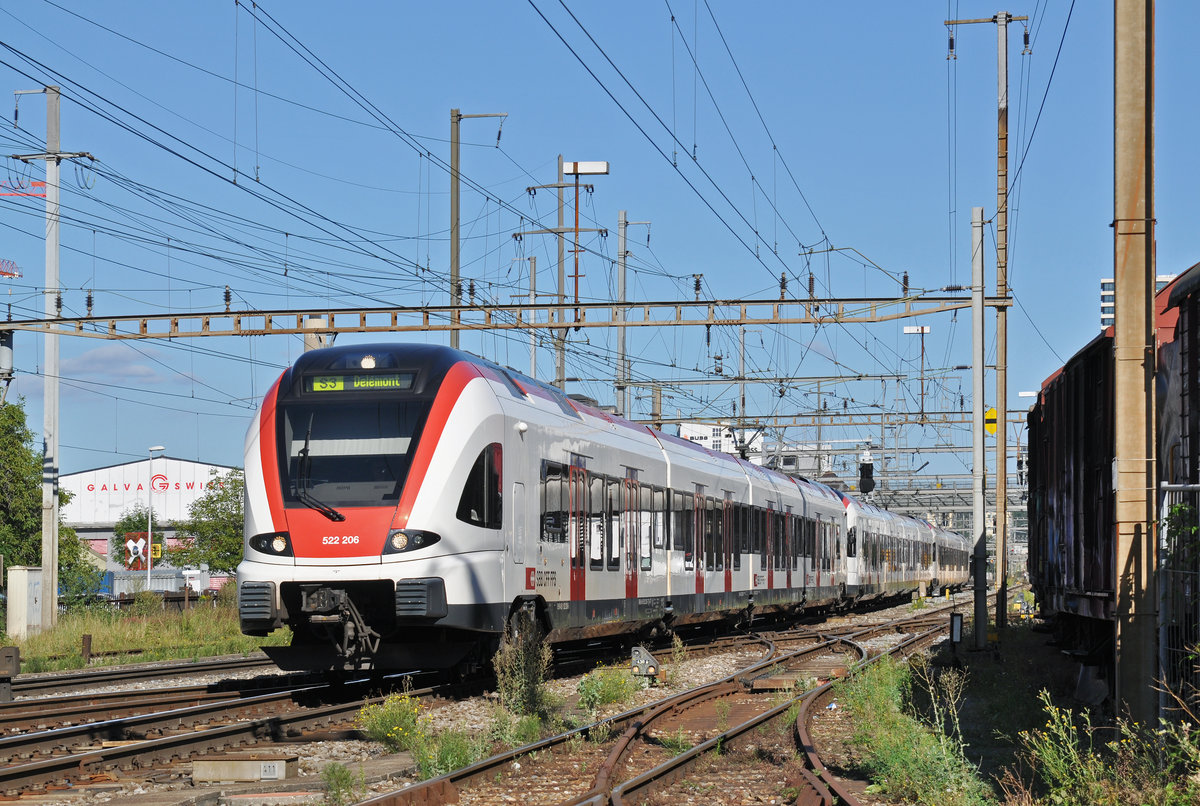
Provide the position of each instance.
(434, 360)
(1182, 287)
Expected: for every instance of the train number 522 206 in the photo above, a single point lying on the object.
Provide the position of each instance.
(339, 540)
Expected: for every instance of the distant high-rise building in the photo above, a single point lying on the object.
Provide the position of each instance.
(1108, 296)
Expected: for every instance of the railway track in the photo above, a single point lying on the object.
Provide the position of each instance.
(640, 754)
(34, 685)
(93, 751)
(186, 721)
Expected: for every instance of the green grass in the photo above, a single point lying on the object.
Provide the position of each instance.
(906, 757)
(605, 686)
(1072, 763)
(161, 635)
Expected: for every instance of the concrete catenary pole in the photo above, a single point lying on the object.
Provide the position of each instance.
(978, 470)
(1133, 263)
(1002, 20)
(622, 375)
(52, 157)
(50, 406)
(532, 303)
(560, 335)
(455, 290)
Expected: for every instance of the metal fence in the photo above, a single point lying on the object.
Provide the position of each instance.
(1179, 598)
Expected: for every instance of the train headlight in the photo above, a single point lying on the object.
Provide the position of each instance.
(277, 543)
(403, 540)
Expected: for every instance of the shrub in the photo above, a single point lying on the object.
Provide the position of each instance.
(395, 722)
(1140, 765)
(146, 603)
(448, 751)
(341, 787)
(509, 732)
(606, 685)
(521, 665)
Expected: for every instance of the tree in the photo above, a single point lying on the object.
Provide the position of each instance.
(21, 509)
(20, 490)
(213, 531)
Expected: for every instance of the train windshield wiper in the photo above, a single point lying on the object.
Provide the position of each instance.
(303, 472)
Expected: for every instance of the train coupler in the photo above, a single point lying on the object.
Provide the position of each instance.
(333, 609)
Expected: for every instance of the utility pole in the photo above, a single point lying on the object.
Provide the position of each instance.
(577, 169)
(742, 391)
(1134, 463)
(1001, 20)
(52, 157)
(921, 329)
(623, 400)
(455, 281)
(532, 302)
(560, 337)
(978, 470)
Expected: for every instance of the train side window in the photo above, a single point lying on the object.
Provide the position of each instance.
(706, 531)
(687, 522)
(852, 542)
(614, 531)
(760, 536)
(480, 502)
(659, 522)
(739, 535)
(716, 557)
(794, 542)
(596, 522)
(645, 523)
(778, 547)
(554, 508)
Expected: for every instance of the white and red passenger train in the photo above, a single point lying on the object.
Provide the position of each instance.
(405, 502)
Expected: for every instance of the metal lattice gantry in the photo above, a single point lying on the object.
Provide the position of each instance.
(427, 318)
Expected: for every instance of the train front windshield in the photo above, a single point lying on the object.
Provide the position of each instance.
(348, 454)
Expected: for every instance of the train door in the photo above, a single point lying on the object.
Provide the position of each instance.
(577, 519)
(770, 542)
(788, 552)
(728, 517)
(816, 551)
(698, 527)
(632, 533)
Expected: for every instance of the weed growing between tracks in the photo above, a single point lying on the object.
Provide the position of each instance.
(145, 631)
(521, 665)
(342, 787)
(605, 686)
(909, 756)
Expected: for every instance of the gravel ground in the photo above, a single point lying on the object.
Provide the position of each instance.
(368, 761)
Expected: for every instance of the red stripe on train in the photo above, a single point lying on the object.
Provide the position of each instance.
(268, 456)
(452, 387)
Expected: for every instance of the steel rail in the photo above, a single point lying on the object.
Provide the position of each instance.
(27, 685)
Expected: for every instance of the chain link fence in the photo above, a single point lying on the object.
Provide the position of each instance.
(1179, 592)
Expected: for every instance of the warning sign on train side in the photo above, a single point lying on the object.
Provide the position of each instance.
(989, 421)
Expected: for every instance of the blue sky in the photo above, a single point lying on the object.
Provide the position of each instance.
(831, 125)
